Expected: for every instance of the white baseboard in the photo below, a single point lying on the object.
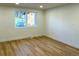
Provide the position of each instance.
(18, 38)
(57, 39)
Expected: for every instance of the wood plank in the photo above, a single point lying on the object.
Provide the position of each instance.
(37, 46)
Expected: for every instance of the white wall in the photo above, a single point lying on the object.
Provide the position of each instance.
(62, 24)
(7, 25)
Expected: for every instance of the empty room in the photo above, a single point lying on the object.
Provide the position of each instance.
(39, 29)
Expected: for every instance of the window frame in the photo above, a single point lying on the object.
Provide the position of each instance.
(18, 17)
(26, 20)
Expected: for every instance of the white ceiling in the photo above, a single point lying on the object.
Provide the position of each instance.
(34, 5)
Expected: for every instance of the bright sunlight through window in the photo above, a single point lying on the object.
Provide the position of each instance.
(31, 19)
(25, 19)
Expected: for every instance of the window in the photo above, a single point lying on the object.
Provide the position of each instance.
(25, 19)
(20, 19)
(31, 19)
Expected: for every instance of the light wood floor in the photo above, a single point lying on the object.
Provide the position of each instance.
(39, 46)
